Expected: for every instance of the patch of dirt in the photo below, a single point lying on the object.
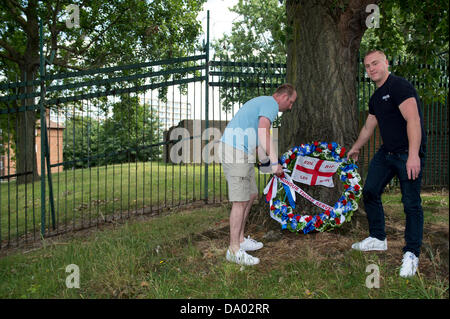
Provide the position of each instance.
(334, 244)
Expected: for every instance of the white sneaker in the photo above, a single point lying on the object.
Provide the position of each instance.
(250, 244)
(370, 243)
(242, 258)
(410, 263)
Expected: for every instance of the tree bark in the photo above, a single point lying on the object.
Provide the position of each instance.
(26, 141)
(322, 65)
(26, 161)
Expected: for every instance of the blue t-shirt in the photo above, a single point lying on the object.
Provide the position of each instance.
(242, 131)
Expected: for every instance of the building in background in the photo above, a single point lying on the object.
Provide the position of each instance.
(55, 133)
(193, 145)
(169, 113)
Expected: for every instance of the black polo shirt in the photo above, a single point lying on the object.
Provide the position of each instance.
(384, 104)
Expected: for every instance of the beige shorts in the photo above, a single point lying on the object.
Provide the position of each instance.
(240, 175)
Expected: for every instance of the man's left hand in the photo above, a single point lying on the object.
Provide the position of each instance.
(413, 166)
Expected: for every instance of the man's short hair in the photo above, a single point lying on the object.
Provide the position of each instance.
(285, 88)
(375, 51)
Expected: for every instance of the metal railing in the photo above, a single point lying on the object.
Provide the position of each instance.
(104, 154)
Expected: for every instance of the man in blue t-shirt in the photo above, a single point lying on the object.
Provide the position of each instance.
(395, 108)
(247, 133)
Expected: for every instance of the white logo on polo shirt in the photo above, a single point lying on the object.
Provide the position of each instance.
(386, 97)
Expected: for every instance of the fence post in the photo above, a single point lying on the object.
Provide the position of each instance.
(206, 102)
(45, 150)
(42, 111)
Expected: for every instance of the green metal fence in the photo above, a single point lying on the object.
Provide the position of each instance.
(108, 135)
(102, 140)
(99, 141)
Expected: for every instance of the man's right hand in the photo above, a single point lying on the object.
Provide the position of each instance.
(277, 170)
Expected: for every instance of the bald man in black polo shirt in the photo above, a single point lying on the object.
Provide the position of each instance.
(395, 108)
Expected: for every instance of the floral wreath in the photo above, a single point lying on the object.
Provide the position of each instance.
(282, 210)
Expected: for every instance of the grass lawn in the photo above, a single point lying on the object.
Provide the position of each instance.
(86, 197)
(181, 254)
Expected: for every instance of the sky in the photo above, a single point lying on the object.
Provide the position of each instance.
(220, 18)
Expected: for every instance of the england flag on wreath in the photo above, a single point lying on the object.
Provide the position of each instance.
(314, 171)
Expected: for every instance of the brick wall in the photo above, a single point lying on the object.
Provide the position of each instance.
(55, 136)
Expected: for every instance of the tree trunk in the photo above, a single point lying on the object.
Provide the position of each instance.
(322, 65)
(26, 141)
(26, 162)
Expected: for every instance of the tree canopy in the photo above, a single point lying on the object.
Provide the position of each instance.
(79, 35)
(260, 31)
(109, 32)
(413, 30)
(125, 135)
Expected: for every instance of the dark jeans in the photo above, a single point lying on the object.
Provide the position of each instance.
(382, 168)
